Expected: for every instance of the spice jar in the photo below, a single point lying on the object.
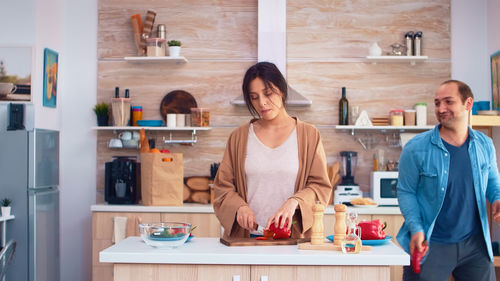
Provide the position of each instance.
(200, 117)
(410, 117)
(396, 117)
(421, 109)
(136, 114)
(155, 47)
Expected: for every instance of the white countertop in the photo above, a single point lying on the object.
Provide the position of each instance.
(208, 208)
(211, 251)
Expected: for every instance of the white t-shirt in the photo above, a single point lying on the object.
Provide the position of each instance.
(270, 174)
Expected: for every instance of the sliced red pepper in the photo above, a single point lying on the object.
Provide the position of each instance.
(281, 233)
(372, 230)
(262, 238)
(417, 257)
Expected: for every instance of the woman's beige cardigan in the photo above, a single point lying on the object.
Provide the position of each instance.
(312, 182)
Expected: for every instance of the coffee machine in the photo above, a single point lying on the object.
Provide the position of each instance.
(122, 180)
(347, 189)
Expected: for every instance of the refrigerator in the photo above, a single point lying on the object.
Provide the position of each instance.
(29, 175)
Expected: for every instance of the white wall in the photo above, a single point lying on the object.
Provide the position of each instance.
(469, 60)
(78, 142)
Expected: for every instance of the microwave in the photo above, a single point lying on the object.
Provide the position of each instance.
(384, 187)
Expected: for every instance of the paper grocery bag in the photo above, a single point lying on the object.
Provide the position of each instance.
(162, 179)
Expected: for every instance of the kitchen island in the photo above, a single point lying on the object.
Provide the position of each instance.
(208, 259)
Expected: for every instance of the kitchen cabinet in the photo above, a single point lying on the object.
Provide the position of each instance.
(133, 259)
(102, 232)
(208, 226)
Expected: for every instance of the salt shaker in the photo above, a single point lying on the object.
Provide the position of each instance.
(409, 43)
(418, 43)
(162, 31)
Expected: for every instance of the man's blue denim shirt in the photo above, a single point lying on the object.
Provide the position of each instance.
(423, 178)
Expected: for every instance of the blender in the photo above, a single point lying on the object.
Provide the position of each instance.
(347, 189)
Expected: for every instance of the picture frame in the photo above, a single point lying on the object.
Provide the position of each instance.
(50, 66)
(16, 66)
(495, 81)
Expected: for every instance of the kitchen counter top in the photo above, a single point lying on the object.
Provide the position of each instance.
(133, 250)
(208, 208)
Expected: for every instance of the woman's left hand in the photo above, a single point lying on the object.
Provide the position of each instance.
(285, 212)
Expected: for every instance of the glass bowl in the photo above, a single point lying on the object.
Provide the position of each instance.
(165, 234)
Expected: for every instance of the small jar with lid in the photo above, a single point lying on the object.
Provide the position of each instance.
(396, 117)
(155, 47)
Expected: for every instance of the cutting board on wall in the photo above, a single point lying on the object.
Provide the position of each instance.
(255, 242)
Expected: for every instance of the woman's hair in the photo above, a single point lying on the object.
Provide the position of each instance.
(270, 75)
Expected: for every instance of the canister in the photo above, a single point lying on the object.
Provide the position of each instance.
(155, 47)
(396, 117)
(409, 43)
(200, 117)
(421, 109)
(136, 114)
(418, 43)
(410, 117)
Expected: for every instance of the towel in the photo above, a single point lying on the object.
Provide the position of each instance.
(119, 229)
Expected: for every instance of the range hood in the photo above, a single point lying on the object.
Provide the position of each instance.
(271, 45)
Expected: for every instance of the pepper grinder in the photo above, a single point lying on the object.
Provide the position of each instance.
(340, 226)
(317, 237)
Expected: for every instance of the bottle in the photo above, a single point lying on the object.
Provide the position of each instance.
(117, 92)
(343, 109)
(418, 43)
(409, 43)
(127, 93)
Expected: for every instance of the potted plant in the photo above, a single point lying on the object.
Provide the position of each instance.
(174, 48)
(102, 112)
(6, 207)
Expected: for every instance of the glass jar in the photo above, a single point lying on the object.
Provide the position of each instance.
(155, 47)
(396, 117)
(200, 117)
(352, 242)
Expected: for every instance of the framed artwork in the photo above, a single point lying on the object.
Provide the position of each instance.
(16, 66)
(495, 81)
(50, 77)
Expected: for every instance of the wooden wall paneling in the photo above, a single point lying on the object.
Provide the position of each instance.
(346, 29)
(218, 29)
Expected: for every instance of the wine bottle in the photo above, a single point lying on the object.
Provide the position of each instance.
(343, 109)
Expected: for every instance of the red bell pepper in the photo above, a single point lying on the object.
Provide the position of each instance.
(280, 233)
(417, 257)
(372, 230)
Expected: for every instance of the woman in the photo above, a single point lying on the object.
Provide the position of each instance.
(274, 167)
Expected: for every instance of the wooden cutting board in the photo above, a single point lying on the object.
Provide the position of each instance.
(255, 242)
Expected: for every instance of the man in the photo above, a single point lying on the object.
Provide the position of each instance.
(445, 177)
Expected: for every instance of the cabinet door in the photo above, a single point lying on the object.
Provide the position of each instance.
(102, 235)
(185, 272)
(394, 223)
(207, 225)
(318, 273)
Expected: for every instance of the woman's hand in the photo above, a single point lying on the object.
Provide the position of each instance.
(246, 218)
(285, 212)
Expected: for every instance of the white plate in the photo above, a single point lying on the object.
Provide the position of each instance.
(365, 206)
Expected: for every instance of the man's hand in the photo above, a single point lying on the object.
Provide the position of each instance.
(417, 241)
(286, 213)
(495, 211)
(246, 218)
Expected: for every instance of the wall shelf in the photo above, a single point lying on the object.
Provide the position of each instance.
(165, 59)
(396, 59)
(160, 128)
(383, 129)
(168, 140)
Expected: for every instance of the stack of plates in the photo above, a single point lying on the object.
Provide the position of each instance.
(380, 121)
